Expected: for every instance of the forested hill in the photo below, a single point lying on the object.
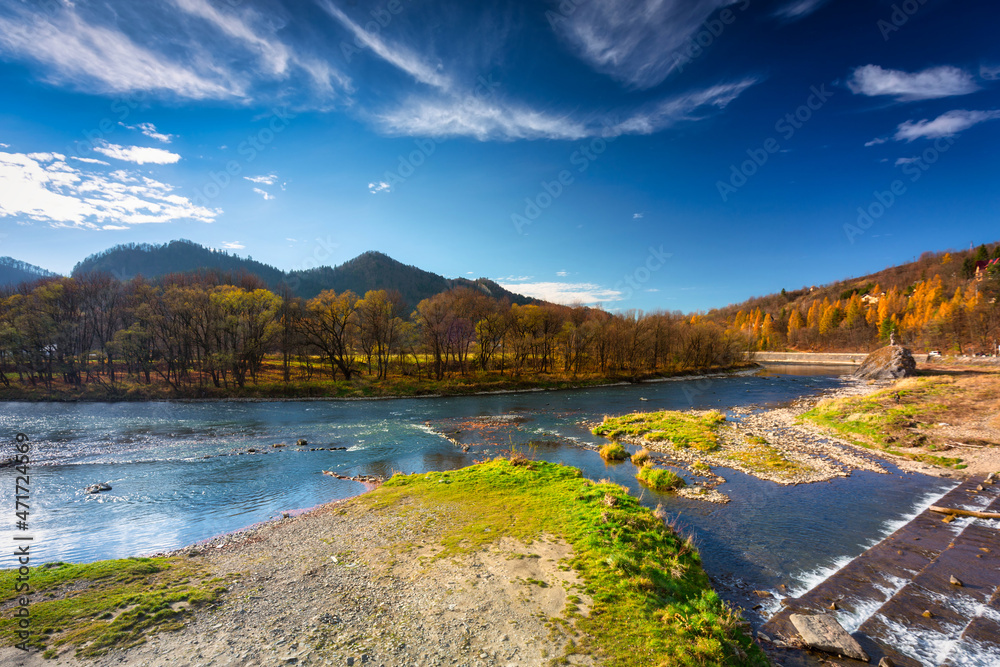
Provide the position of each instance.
(374, 270)
(955, 268)
(15, 272)
(368, 271)
(946, 300)
(152, 261)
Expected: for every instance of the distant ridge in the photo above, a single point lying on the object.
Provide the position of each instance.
(14, 272)
(368, 271)
(955, 267)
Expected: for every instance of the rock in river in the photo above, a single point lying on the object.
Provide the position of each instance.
(824, 633)
(97, 488)
(889, 363)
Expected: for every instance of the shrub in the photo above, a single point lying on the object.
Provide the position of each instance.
(613, 452)
(640, 457)
(659, 479)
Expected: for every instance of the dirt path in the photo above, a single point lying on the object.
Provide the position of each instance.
(342, 586)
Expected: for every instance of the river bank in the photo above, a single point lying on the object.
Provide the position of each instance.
(361, 387)
(545, 568)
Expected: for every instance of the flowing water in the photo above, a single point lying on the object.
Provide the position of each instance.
(178, 475)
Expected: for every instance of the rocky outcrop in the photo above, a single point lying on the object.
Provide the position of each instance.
(824, 633)
(889, 363)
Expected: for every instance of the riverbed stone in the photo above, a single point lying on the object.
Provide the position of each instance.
(824, 633)
(888, 363)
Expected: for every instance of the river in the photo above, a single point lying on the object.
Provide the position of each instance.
(180, 473)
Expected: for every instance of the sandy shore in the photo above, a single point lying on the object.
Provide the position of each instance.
(343, 586)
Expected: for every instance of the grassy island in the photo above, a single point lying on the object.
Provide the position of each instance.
(681, 429)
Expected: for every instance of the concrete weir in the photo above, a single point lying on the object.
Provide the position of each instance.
(926, 596)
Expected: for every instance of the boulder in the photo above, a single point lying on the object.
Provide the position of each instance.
(97, 488)
(824, 633)
(888, 363)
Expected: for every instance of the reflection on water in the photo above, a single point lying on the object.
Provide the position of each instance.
(180, 473)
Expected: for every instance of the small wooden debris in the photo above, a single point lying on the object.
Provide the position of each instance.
(948, 518)
(960, 512)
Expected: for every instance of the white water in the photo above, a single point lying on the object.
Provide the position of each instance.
(812, 578)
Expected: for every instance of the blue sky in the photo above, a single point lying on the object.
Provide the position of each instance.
(647, 154)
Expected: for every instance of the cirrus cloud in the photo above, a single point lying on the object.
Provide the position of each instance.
(946, 125)
(931, 83)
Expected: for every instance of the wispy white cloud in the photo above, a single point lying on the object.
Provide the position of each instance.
(264, 193)
(380, 186)
(562, 274)
(89, 160)
(266, 179)
(946, 125)
(931, 83)
(395, 54)
(565, 293)
(272, 53)
(989, 72)
(875, 142)
(137, 154)
(905, 160)
(798, 9)
(233, 245)
(634, 41)
(104, 59)
(638, 216)
(690, 106)
(43, 187)
(446, 116)
(150, 131)
(490, 119)
(204, 51)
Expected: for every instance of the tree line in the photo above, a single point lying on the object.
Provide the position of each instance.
(190, 330)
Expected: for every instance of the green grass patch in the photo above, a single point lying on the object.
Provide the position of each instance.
(765, 458)
(108, 604)
(641, 457)
(679, 428)
(891, 419)
(652, 603)
(659, 479)
(613, 452)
